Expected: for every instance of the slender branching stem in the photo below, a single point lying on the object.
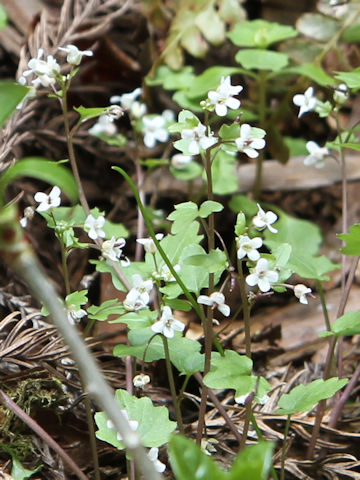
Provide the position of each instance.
(284, 447)
(245, 308)
(172, 385)
(323, 305)
(208, 322)
(262, 120)
(261, 438)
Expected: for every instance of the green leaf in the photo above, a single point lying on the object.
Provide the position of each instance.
(253, 463)
(154, 424)
(260, 33)
(224, 176)
(189, 462)
(314, 72)
(3, 17)
(352, 34)
(184, 352)
(116, 230)
(18, 472)
(195, 278)
(209, 207)
(262, 59)
(172, 79)
(352, 240)
(11, 95)
(77, 298)
(209, 80)
(234, 371)
(241, 203)
(318, 27)
(352, 79)
(183, 215)
(304, 397)
(213, 262)
(87, 113)
(107, 308)
(347, 324)
(42, 169)
(141, 319)
(190, 171)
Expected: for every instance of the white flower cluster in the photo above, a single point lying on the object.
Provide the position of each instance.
(134, 424)
(262, 275)
(139, 296)
(47, 71)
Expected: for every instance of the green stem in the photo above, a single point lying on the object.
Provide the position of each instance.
(246, 309)
(262, 121)
(208, 322)
(19, 256)
(261, 438)
(323, 305)
(248, 411)
(284, 445)
(163, 255)
(172, 385)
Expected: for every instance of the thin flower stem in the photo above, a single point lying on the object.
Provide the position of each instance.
(262, 120)
(344, 397)
(70, 146)
(208, 322)
(246, 309)
(163, 255)
(220, 407)
(323, 305)
(172, 385)
(19, 256)
(248, 411)
(11, 405)
(322, 405)
(92, 437)
(284, 447)
(261, 438)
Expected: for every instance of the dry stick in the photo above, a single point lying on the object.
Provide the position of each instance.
(19, 412)
(26, 265)
(220, 407)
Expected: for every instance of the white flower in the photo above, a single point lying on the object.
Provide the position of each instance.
(48, 201)
(143, 286)
(198, 138)
(134, 424)
(154, 129)
(104, 126)
(136, 300)
(249, 142)
(241, 400)
(28, 215)
(149, 244)
(248, 247)
(167, 324)
(307, 102)
(165, 273)
(215, 300)
(74, 55)
(93, 226)
(115, 112)
(45, 71)
(141, 380)
(262, 276)
(126, 100)
(341, 93)
(179, 161)
(153, 456)
(74, 314)
(317, 155)
(112, 249)
(300, 291)
(263, 220)
(222, 98)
